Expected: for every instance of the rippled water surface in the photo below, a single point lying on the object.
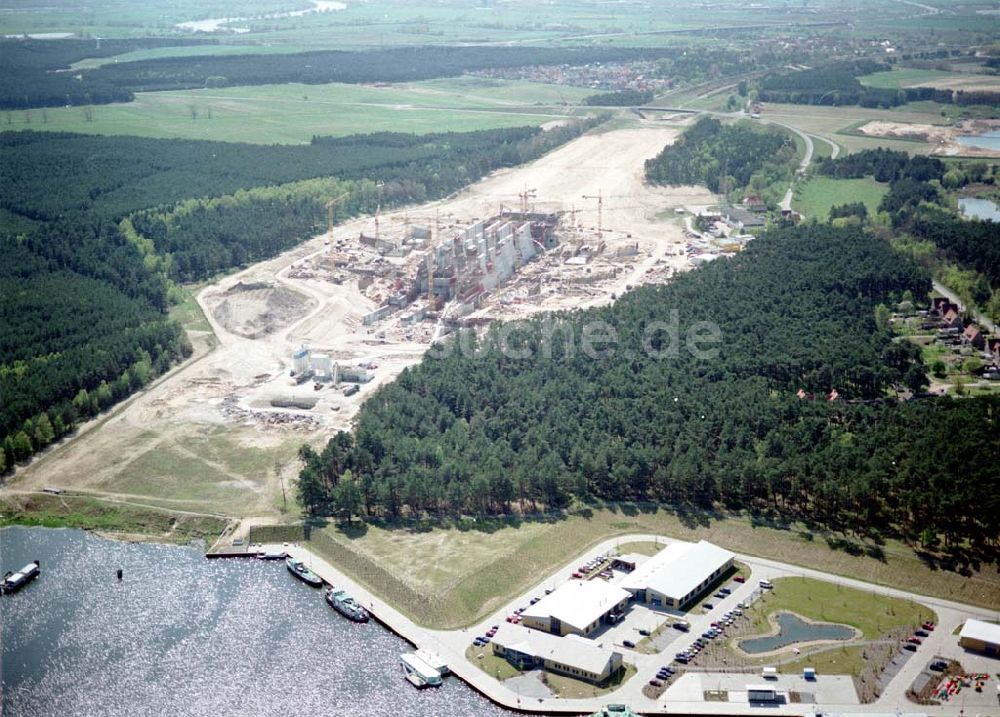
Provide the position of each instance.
(182, 635)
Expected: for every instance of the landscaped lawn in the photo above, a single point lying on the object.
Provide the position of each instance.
(826, 601)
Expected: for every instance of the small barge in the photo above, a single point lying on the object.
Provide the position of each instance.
(346, 605)
(299, 570)
(13, 582)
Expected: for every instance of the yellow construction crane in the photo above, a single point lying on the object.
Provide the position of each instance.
(525, 196)
(329, 210)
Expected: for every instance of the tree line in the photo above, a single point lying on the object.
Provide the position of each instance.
(622, 98)
(35, 73)
(484, 431)
(837, 83)
(725, 158)
(30, 77)
(96, 229)
(200, 237)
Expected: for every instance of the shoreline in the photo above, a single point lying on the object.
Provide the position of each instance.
(447, 643)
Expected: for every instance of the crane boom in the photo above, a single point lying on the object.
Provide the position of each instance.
(329, 210)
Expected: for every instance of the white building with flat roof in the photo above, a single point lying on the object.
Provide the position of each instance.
(980, 636)
(578, 606)
(678, 574)
(529, 649)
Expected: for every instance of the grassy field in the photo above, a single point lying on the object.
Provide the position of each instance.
(469, 571)
(831, 121)
(816, 196)
(294, 113)
(212, 470)
(823, 601)
(570, 688)
(489, 663)
(848, 660)
(76, 511)
(904, 77)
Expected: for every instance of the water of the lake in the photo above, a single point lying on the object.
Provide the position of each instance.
(976, 208)
(989, 140)
(182, 635)
(793, 629)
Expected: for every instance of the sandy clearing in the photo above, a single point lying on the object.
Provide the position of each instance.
(233, 384)
(943, 137)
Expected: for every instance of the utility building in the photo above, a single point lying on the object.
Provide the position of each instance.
(678, 574)
(577, 607)
(577, 657)
(980, 636)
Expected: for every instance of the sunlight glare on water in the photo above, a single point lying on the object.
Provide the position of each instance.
(182, 635)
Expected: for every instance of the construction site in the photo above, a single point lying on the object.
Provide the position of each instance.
(292, 346)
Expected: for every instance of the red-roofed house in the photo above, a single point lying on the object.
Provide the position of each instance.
(952, 320)
(974, 337)
(754, 203)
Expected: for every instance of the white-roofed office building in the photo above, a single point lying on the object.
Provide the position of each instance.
(577, 607)
(980, 636)
(678, 574)
(582, 659)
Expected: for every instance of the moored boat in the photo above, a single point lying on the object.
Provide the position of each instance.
(299, 570)
(15, 581)
(346, 605)
(615, 711)
(418, 672)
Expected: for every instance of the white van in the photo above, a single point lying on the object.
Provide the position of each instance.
(769, 673)
(766, 584)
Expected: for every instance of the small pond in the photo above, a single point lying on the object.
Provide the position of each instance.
(989, 140)
(793, 629)
(976, 208)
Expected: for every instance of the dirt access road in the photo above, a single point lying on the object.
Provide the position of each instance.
(207, 437)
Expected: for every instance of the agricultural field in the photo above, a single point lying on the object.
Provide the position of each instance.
(293, 113)
(904, 77)
(912, 77)
(473, 568)
(817, 195)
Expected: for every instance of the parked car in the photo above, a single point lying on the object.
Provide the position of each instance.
(721, 595)
(655, 683)
(740, 579)
(534, 600)
(577, 575)
(628, 643)
(939, 666)
(914, 640)
(928, 625)
(920, 633)
(911, 647)
(643, 631)
(682, 625)
(708, 606)
(548, 591)
(766, 584)
(725, 591)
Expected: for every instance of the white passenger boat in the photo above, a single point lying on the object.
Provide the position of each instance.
(418, 672)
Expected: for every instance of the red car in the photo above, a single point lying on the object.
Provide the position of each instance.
(914, 640)
(577, 575)
(740, 579)
(928, 626)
